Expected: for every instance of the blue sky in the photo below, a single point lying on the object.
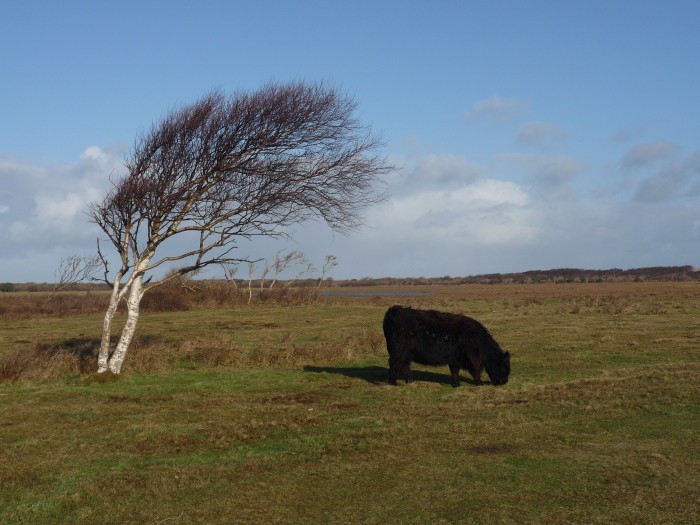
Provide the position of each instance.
(530, 135)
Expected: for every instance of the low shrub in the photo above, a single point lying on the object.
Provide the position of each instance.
(175, 296)
(45, 361)
(30, 305)
(166, 299)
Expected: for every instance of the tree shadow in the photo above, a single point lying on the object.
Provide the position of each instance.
(84, 350)
(379, 375)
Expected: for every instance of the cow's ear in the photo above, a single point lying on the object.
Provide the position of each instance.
(508, 355)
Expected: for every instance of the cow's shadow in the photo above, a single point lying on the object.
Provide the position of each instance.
(379, 375)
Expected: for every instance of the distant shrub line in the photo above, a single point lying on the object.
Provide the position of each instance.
(176, 297)
(306, 286)
(558, 275)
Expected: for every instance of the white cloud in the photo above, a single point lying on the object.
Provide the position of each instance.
(486, 212)
(56, 210)
(446, 216)
(59, 212)
(446, 224)
(46, 204)
(93, 152)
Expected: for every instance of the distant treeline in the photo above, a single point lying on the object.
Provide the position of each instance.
(557, 275)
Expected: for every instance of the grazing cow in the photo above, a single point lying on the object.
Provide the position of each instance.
(436, 338)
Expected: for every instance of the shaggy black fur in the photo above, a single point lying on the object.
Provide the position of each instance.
(430, 337)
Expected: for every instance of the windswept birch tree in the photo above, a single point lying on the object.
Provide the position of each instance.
(226, 169)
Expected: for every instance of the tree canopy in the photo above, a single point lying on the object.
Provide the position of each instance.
(227, 168)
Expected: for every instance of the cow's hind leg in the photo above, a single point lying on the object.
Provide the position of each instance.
(406, 372)
(408, 349)
(454, 370)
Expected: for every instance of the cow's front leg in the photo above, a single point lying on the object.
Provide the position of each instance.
(475, 373)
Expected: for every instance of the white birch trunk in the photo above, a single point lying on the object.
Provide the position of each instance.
(103, 356)
(133, 309)
(134, 288)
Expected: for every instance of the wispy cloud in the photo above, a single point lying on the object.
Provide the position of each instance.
(633, 132)
(666, 184)
(643, 155)
(539, 134)
(675, 178)
(497, 109)
(551, 175)
(440, 170)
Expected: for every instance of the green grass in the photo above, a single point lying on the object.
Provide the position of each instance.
(599, 423)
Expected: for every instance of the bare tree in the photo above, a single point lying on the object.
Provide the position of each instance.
(225, 169)
(230, 271)
(75, 269)
(251, 272)
(283, 261)
(329, 263)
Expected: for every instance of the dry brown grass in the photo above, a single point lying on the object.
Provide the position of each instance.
(177, 297)
(14, 306)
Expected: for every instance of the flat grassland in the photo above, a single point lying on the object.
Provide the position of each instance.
(281, 414)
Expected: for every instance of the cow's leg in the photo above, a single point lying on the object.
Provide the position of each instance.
(476, 374)
(394, 370)
(406, 371)
(399, 368)
(454, 370)
(394, 363)
(408, 349)
(474, 367)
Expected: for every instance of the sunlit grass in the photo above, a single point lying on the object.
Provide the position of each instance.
(278, 414)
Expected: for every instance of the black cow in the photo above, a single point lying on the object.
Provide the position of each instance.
(436, 338)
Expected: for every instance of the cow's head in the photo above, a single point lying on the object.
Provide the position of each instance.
(498, 368)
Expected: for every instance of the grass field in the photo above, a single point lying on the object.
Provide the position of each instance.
(281, 414)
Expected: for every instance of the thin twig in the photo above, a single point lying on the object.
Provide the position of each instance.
(168, 519)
